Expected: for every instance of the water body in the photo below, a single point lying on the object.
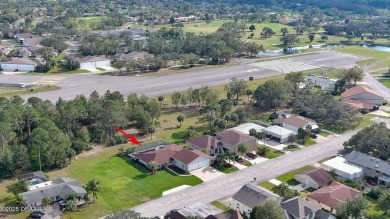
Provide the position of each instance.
(295, 50)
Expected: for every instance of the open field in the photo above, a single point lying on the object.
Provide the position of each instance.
(123, 183)
(375, 54)
(88, 21)
(9, 92)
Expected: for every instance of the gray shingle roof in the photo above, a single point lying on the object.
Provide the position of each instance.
(299, 208)
(61, 187)
(367, 161)
(251, 195)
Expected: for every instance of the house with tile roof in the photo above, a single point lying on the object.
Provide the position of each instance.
(296, 122)
(172, 154)
(58, 190)
(314, 177)
(372, 167)
(329, 197)
(231, 138)
(207, 143)
(361, 94)
(250, 196)
(299, 208)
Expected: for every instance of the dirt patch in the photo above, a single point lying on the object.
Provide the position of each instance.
(145, 199)
(95, 149)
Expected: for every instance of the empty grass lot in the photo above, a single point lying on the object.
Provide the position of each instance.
(289, 177)
(358, 50)
(10, 91)
(123, 183)
(273, 153)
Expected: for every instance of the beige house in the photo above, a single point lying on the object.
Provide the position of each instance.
(363, 94)
(314, 177)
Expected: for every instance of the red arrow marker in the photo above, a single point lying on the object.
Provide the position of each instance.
(130, 138)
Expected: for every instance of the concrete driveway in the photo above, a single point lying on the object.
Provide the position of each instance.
(207, 173)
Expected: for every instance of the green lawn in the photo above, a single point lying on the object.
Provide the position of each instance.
(223, 207)
(325, 159)
(322, 133)
(380, 72)
(273, 153)
(374, 212)
(381, 64)
(385, 82)
(248, 164)
(123, 183)
(309, 142)
(88, 21)
(291, 148)
(375, 54)
(289, 177)
(9, 92)
(365, 122)
(267, 185)
(227, 170)
(100, 69)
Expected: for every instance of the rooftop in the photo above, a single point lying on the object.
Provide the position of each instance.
(367, 161)
(187, 156)
(334, 194)
(205, 141)
(159, 155)
(338, 163)
(299, 207)
(93, 59)
(359, 89)
(296, 121)
(234, 137)
(20, 61)
(319, 175)
(279, 130)
(357, 104)
(251, 195)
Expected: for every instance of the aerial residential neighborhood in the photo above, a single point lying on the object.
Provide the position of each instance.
(231, 109)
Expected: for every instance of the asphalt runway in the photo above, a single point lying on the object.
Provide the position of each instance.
(76, 84)
(13, 85)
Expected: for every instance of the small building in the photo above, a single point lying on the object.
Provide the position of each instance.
(250, 196)
(372, 167)
(130, 55)
(4, 50)
(279, 133)
(94, 62)
(329, 197)
(363, 94)
(339, 166)
(58, 190)
(231, 138)
(189, 160)
(323, 82)
(299, 208)
(314, 177)
(296, 122)
(212, 145)
(19, 64)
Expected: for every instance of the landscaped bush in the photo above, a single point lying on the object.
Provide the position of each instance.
(374, 193)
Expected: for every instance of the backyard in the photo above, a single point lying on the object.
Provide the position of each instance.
(123, 183)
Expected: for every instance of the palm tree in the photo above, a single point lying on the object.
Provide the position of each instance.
(262, 136)
(46, 201)
(231, 156)
(71, 197)
(180, 118)
(71, 206)
(221, 157)
(384, 201)
(23, 185)
(19, 200)
(93, 186)
(242, 148)
(263, 150)
(153, 165)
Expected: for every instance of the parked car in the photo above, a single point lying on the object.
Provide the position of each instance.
(36, 215)
(313, 135)
(371, 182)
(251, 155)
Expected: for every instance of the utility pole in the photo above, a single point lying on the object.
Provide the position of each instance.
(40, 165)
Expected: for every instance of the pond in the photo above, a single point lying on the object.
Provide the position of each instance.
(295, 50)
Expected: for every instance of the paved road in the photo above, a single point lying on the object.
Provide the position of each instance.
(73, 85)
(227, 185)
(376, 85)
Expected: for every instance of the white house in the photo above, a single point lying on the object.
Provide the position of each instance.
(363, 94)
(296, 122)
(94, 62)
(279, 132)
(323, 82)
(20, 64)
(189, 160)
(250, 196)
(343, 169)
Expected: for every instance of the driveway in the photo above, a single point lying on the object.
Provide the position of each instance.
(52, 211)
(207, 173)
(257, 160)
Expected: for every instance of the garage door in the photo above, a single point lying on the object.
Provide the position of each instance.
(12, 67)
(26, 67)
(103, 63)
(86, 65)
(197, 165)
